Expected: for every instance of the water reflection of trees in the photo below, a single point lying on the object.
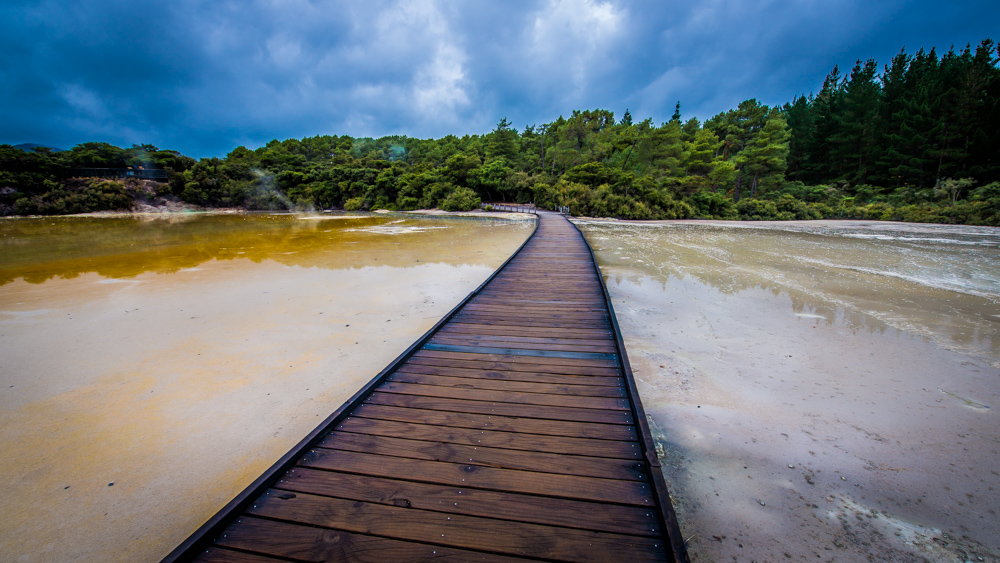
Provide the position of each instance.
(856, 299)
(801, 304)
(727, 275)
(124, 247)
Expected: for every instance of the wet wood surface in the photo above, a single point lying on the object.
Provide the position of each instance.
(509, 435)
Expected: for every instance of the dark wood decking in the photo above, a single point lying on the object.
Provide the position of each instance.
(511, 431)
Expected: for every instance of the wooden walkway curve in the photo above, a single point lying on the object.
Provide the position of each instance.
(511, 431)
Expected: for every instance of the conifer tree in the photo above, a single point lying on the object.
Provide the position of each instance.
(826, 107)
(852, 147)
(799, 115)
(765, 156)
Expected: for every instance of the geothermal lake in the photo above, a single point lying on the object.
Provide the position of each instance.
(151, 367)
(820, 391)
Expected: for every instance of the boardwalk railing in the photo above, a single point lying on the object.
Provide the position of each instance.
(143, 173)
(509, 207)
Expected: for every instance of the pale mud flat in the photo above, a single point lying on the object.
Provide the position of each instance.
(822, 391)
(161, 367)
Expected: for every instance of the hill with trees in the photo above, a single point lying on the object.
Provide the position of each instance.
(914, 140)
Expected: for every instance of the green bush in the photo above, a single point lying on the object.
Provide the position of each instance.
(875, 211)
(354, 204)
(461, 199)
(757, 210)
(712, 205)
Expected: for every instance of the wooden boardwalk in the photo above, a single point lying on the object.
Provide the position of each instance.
(511, 431)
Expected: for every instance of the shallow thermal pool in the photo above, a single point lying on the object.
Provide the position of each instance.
(822, 390)
(152, 366)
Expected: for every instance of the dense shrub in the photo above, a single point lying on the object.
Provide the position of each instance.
(712, 205)
(461, 199)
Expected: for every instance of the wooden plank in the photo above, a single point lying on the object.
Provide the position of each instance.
(562, 464)
(521, 351)
(512, 336)
(533, 360)
(523, 339)
(506, 298)
(479, 362)
(502, 385)
(219, 555)
(523, 294)
(454, 531)
(528, 376)
(499, 423)
(485, 306)
(597, 403)
(502, 409)
(593, 333)
(551, 323)
(307, 543)
(501, 330)
(635, 493)
(493, 439)
(565, 346)
(515, 315)
(473, 502)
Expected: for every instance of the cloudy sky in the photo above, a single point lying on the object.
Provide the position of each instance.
(205, 76)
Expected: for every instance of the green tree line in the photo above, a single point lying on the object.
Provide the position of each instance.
(913, 140)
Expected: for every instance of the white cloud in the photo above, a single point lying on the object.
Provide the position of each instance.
(439, 84)
(576, 35)
(83, 101)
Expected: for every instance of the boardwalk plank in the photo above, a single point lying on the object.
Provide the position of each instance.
(499, 423)
(528, 376)
(605, 403)
(306, 543)
(469, 532)
(565, 346)
(452, 380)
(217, 555)
(502, 409)
(490, 438)
(479, 361)
(533, 360)
(562, 464)
(633, 493)
(577, 514)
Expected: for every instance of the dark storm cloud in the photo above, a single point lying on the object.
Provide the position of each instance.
(203, 77)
